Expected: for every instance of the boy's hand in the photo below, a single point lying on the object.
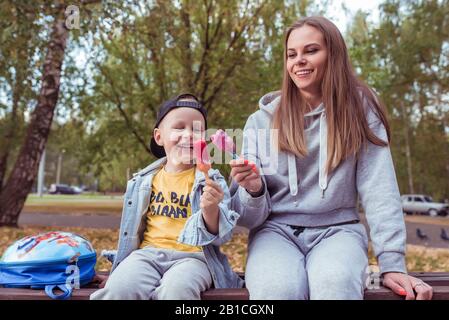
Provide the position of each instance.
(246, 175)
(101, 280)
(211, 197)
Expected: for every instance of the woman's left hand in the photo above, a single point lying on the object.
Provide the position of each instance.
(405, 285)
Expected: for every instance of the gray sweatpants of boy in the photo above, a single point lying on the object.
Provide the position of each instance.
(327, 263)
(157, 274)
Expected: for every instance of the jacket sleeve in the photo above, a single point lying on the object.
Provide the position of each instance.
(253, 210)
(379, 194)
(227, 220)
(124, 245)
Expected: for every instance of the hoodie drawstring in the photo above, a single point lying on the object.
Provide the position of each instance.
(323, 154)
(322, 181)
(269, 103)
(292, 175)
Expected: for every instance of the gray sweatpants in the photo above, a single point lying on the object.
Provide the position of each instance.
(157, 274)
(310, 263)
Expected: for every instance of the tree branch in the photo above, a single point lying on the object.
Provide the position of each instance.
(118, 103)
(206, 44)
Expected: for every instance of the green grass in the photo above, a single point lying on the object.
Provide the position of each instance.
(50, 198)
(74, 204)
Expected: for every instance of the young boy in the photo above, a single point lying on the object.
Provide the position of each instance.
(173, 219)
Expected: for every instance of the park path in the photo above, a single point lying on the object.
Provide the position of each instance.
(70, 220)
(100, 221)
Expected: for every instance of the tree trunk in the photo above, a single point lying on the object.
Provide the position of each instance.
(20, 182)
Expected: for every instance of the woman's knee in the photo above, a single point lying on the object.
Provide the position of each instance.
(180, 289)
(281, 285)
(336, 284)
(281, 290)
(275, 267)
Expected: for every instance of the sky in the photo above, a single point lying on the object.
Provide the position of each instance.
(341, 20)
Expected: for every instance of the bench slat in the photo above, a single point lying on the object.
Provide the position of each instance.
(439, 282)
(436, 281)
(225, 294)
(30, 294)
(439, 293)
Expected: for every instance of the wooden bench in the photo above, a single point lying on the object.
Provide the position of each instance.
(438, 280)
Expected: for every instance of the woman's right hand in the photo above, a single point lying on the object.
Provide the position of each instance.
(247, 175)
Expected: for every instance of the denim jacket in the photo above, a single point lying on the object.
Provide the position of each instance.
(133, 223)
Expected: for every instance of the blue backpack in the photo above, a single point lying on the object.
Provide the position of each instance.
(48, 261)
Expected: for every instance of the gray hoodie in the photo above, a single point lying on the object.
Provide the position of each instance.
(299, 192)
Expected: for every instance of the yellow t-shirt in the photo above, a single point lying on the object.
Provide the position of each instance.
(169, 210)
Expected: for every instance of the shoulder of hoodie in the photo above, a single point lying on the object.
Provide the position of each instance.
(263, 116)
(371, 114)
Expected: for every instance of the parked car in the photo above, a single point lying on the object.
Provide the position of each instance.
(62, 189)
(34, 189)
(77, 189)
(423, 204)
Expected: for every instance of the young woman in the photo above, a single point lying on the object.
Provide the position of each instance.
(327, 143)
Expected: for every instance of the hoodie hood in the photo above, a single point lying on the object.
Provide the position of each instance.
(269, 103)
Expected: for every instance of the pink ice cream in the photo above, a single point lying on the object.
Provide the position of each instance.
(202, 157)
(223, 141)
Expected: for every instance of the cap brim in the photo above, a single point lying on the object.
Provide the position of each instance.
(157, 150)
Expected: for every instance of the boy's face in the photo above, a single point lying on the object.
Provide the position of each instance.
(177, 132)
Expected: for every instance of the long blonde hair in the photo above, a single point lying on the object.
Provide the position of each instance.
(343, 95)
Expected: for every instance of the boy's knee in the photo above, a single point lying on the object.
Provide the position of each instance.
(114, 293)
(120, 289)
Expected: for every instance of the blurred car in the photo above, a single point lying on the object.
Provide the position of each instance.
(35, 190)
(62, 189)
(77, 189)
(423, 204)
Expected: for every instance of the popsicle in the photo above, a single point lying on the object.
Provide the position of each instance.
(202, 158)
(225, 143)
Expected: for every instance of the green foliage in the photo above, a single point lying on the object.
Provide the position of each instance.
(129, 56)
(405, 58)
(226, 52)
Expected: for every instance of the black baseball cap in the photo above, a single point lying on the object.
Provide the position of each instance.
(157, 150)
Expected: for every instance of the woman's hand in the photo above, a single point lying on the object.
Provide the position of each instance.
(246, 175)
(405, 285)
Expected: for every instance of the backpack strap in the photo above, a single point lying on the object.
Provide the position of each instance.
(66, 291)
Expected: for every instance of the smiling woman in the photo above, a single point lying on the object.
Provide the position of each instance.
(306, 62)
(331, 140)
